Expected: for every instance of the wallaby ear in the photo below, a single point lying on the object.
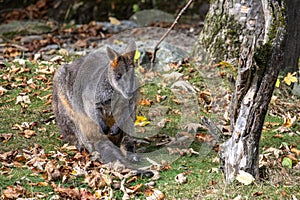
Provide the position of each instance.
(130, 50)
(112, 54)
(113, 57)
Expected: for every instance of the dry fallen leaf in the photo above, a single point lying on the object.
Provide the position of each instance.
(289, 121)
(203, 137)
(181, 178)
(4, 137)
(154, 194)
(145, 102)
(245, 177)
(2, 90)
(290, 78)
(8, 156)
(67, 193)
(295, 151)
(114, 21)
(29, 133)
(136, 188)
(14, 192)
(23, 99)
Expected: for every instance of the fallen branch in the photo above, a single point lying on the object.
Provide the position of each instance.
(213, 130)
(167, 33)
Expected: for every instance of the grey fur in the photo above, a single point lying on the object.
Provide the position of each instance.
(94, 102)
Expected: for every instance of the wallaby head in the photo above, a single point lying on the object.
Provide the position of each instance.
(121, 70)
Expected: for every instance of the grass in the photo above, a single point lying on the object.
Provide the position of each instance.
(205, 180)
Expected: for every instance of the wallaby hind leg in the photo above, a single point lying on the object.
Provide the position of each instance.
(65, 123)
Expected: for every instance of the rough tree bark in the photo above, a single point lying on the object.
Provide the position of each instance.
(251, 34)
(292, 52)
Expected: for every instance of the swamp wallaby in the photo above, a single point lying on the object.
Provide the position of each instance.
(94, 102)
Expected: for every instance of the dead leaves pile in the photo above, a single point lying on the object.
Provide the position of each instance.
(30, 80)
(71, 175)
(275, 162)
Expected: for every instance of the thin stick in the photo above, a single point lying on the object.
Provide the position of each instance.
(167, 33)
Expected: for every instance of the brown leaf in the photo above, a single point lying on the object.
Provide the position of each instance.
(145, 102)
(14, 192)
(154, 194)
(136, 188)
(2, 90)
(4, 137)
(289, 121)
(4, 170)
(257, 194)
(293, 158)
(96, 180)
(177, 101)
(86, 195)
(41, 184)
(296, 151)
(280, 136)
(271, 124)
(132, 179)
(52, 172)
(29, 133)
(206, 96)
(68, 193)
(114, 21)
(81, 43)
(8, 156)
(160, 98)
(202, 137)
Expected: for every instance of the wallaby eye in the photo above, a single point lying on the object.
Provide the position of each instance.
(118, 76)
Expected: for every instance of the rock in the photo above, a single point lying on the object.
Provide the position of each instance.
(175, 47)
(296, 89)
(27, 27)
(146, 17)
(113, 28)
(30, 38)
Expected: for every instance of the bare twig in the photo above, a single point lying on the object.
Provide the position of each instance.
(169, 30)
(213, 130)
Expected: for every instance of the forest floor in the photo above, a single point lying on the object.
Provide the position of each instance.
(36, 163)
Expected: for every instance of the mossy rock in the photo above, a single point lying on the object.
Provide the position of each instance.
(27, 27)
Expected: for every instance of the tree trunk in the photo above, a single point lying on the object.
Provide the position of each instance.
(251, 34)
(292, 52)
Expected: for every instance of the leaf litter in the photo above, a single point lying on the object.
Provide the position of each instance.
(67, 165)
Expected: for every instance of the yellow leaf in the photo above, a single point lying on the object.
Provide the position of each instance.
(74, 172)
(290, 78)
(224, 63)
(137, 55)
(277, 83)
(114, 21)
(141, 121)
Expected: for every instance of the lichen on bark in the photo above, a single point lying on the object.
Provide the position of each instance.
(220, 38)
